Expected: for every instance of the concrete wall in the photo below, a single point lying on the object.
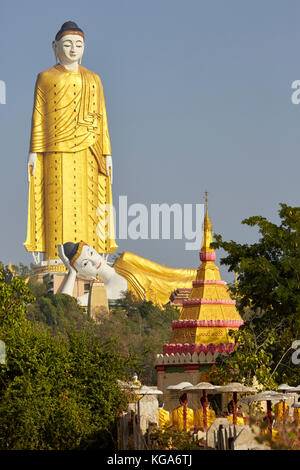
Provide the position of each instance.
(133, 425)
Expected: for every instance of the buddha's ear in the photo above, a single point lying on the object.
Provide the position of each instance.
(54, 46)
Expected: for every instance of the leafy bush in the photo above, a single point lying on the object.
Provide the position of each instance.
(56, 392)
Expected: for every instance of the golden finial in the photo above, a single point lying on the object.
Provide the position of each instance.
(206, 199)
(207, 228)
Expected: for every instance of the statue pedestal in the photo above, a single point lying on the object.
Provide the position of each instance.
(98, 302)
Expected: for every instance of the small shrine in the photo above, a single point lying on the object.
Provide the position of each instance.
(201, 333)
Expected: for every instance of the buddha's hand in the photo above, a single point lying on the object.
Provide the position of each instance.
(109, 167)
(65, 259)
(32, 157)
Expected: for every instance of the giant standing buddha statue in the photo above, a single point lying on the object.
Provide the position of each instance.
(70, 197)
(69, 164)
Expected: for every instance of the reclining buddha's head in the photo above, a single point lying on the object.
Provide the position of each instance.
(83, 258)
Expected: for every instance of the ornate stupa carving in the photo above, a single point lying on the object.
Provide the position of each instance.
(178, 296)
(202, 331)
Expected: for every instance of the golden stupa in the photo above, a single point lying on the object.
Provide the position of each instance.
(209, 313)
(201, 334)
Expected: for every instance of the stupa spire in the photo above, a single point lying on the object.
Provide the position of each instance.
(209, 312)
(201, 333)
(207, 229)
(207, 253)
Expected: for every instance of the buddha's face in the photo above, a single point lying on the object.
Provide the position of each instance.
(69, 49)
(89, 263)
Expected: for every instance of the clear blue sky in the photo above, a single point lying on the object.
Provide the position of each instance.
(198, 96)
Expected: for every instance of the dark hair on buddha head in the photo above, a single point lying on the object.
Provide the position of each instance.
(73, 250)
(70, 249)
(183, 398)
(69, 27)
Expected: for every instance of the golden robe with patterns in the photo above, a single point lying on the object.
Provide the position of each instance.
(278, 411)
(239, 420)
(70, 189)
(163, 418)
(152, 281)
(296, 416)
(177, 418)
(199, 417)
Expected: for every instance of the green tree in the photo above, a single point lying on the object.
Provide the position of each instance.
(60, 312)
(268, 298)
(140, 328)
(56, 392)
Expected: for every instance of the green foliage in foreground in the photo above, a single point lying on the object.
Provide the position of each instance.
(170, 438)
(140, 328)
(58, 388)
(56, 392)
(60, 312)
(268, 298)
(134, 327)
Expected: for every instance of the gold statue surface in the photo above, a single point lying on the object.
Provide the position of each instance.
(70, 182)
(152, 281)
(70, 176)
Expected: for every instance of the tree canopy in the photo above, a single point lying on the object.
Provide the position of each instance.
(56, 391)
(141, 329)
(59, 385)
(268, 297)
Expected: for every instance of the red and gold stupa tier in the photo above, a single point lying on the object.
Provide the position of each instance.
(207, 315)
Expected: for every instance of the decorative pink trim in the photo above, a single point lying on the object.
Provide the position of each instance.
(185, 366)
(207, 256)
(209, 283)
(206, 324)
(198, 348)
(193, 302)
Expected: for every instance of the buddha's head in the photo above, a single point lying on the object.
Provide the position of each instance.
(68, 46)
(84, 259)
